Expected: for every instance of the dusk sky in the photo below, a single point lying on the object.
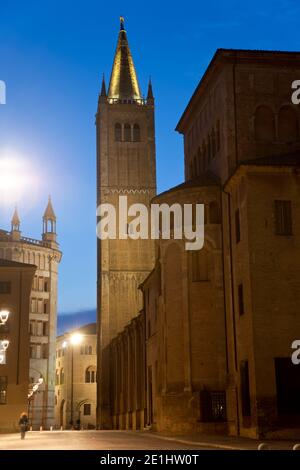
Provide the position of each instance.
(52, 56)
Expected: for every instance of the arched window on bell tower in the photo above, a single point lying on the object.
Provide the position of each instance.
(127, 132)
(118, 132)
(136, 133)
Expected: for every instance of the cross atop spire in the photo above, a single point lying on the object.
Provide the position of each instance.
(122, 22)
(123, 81)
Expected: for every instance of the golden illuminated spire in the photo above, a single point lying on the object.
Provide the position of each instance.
(123, 81)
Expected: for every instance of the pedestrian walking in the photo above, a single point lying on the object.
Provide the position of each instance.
(23, 423)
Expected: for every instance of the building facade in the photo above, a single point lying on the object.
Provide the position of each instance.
(126, 169)
(128, 360)
(241, 125)
(75, 379)
(220, 322)
(15, 288)
(45, 255)
(185, 323)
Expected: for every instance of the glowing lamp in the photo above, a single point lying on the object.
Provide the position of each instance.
(4, 344)
(76, 338)
(4, 314)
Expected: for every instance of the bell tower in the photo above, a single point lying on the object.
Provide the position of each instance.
(125, 167)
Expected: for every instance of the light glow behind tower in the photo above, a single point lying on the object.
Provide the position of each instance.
(17, 178)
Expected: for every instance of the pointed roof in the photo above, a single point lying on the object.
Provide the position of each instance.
(15, 218)
(103, 87)
(150, 91)
(49, 212)
(123, 81)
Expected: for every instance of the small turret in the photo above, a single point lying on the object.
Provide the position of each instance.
(103, 88)
(15, 226)
(49, 223)
(150, 97)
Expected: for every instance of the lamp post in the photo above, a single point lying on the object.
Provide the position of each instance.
(31, 394)
(75, 339)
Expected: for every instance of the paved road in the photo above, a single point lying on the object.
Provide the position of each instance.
(89, 440)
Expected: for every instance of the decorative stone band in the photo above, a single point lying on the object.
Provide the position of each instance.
(127, 191)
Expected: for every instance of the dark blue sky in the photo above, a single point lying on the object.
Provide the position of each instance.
(52, 55)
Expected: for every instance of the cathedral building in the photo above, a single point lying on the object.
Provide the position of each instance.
(242, 126)
(219, 323)
(125, 167)
(45, 255)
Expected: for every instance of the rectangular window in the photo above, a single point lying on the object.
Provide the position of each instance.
(41, 284)
(213, 406)
(45, 328)
(33, 305)
(5, 287)
(40, 306)
(38, 348)
(45, 307)
(39, 330)
(241, 299)
(245, 388)
(32, 351)
(46, 286)
(283, 218)
(87, 409)
(44, 351)
(3, 389)
(237, 226)
(32, 328)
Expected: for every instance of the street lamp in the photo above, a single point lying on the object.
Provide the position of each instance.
(4, 344)
(75, 339)
(32, 392)
(4, 314)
